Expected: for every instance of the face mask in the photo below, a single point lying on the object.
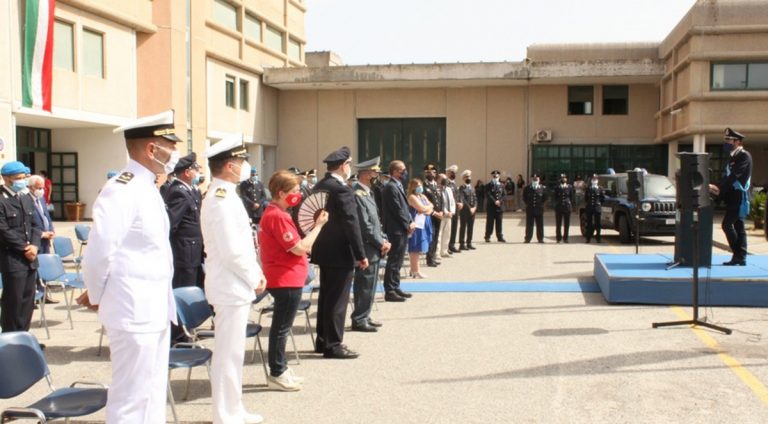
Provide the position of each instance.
(245, 171)
(19, 185)
(39, 193)
(404, 177)
(727, 147)
(594, 183)
(419, 190)
(293, 199)
(170, 165)
(430, 177)
(196, 180)
(444, 182)
(200, 179)
(313, 179)
(496, 180)
(535, 183)
(304, 183)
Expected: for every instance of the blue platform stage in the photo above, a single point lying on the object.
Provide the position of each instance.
(645, 279)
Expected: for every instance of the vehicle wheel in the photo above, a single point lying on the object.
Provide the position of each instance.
(625, 235)
(583, 223)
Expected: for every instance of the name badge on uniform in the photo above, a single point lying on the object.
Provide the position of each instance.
(221, 192)
(125, 177)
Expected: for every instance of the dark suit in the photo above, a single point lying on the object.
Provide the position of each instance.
(182, 204)
(738, 172)
(434, 195)
(563, 206)
(468, 197)
(336, 250)
(534, 212)
(46, 223)
(18, 229)
(373, 240)
(494, 214)
(593, 200)
(254, 194)
(396, 220)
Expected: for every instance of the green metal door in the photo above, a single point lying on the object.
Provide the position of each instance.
(63, 173)
(415, 141)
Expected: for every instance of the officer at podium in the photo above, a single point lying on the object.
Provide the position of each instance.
(733, 190)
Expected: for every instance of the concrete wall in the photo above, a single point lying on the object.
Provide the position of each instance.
(99, 150)
(487, 127)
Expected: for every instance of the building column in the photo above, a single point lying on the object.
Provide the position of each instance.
(699, 143)
(672, 162)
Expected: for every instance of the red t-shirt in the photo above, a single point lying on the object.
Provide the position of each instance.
(277, 236)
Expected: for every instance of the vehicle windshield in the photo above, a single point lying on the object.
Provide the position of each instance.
(659, 186)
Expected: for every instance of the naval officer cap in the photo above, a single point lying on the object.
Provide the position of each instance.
(310, 172)
(228, 147)
(466, 173)
(452, 168)
(733, 135)
(186, 162)
(295, 171)
(160, 125)
(338, 157)
(13, 168)
(430, 167)
(370, 165)
(495, 173)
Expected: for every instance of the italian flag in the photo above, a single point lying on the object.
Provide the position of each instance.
(38, 54)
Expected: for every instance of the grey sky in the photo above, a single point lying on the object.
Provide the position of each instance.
(427, 31)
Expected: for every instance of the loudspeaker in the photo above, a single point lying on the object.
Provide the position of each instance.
(684, 237)
(635, 187)
(693, 181)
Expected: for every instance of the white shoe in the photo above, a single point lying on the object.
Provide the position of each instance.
(294, 377)
(283, 382)
(252, 418)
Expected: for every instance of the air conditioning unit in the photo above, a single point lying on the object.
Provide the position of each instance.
(544, 136)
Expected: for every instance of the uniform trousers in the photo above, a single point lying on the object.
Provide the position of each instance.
(18, 300)
(466, 226)
(365, 291)
(454, 229)
(593, 224)
(332, 306)
(184, 276)
(395, 259)
(227, 363)
(733, 227)
(434, 242)
(562, 219)
(493, 218)
(139, 386)
(446, 228)
(532, 219)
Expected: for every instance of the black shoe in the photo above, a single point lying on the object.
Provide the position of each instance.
(365, 328)
(597, 239)
(470, 247)
(393, 297)
(462, 247)
(558, 240)
(319, 347)
(501, 240)
(453, 249)
(526, 241)
(541, 241)
(565, 240)
(403, 294)
(49, 300)
(734, 262)
(487, 239)
(588, 240)
(341, 352)
(432, 264)
(374, 323)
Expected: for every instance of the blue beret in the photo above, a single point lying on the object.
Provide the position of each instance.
(254, 170)
(14, 168)
(111, 173)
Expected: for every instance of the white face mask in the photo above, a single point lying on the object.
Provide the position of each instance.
(594, 183)
(39, 193)
(535, 184)
(170, 165)
(245, 171)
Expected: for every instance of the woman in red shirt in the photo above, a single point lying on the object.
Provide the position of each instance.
(285, 266)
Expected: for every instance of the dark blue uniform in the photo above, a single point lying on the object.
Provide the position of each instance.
(18, 229)
(494, 192)
(253, 193)
(563, 207)
(534, 212)
(433, 194)
(738, 173)
(593, 201)
(183, 205)
(468, 197)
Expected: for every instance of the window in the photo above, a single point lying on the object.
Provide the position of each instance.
(274, 39)
(580, 98)
(229, 91)
(252, 27)
(615, 99)
(739, 76)
(93, 53)
(225, 14)
(294, 50)
(63, 46)
(243, 94)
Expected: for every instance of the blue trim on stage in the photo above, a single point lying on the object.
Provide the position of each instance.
(501, 287)
(644, 279)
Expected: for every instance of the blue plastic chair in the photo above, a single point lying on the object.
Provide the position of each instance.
(62, 246)
(193, 310)
(82, 232)
(186, 355)
(51, 272)
(22, 365)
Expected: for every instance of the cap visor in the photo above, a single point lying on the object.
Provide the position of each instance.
(171, 137)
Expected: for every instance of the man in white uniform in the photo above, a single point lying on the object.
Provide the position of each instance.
(233, 276)
(128, 268)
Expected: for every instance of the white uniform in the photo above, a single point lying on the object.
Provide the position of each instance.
(232, 276)
(127, 269)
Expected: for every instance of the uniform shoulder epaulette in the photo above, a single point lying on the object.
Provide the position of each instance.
(361, 192)
(221, 192)
(124, 178)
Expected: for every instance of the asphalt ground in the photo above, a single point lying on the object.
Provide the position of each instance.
(491, 357)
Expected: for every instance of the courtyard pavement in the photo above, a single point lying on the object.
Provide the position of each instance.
(492, 357)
